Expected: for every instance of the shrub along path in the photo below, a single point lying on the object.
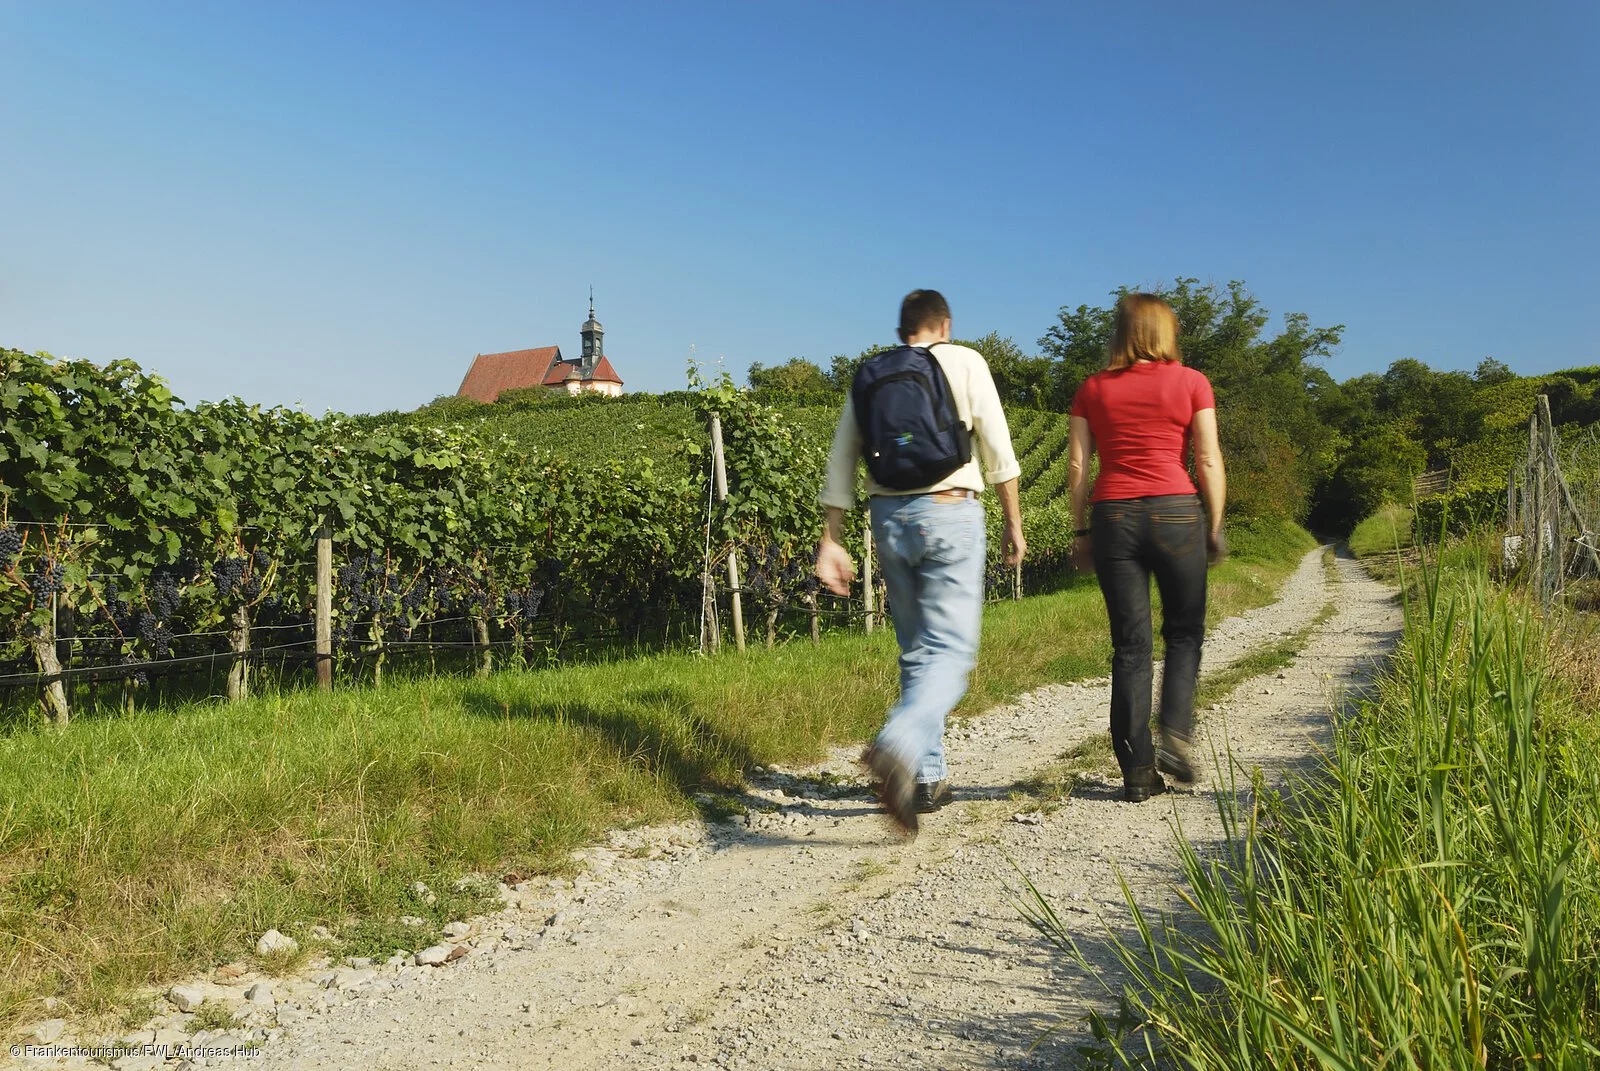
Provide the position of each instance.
(802, 933)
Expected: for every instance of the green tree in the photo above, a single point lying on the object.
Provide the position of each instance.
(1021, 380)
(842, 369)
(1076, 346)
(794, 376)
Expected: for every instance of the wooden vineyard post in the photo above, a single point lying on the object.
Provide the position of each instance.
(54, 696)
(1566, 500)
(1533, 507)
(324, 609)
(710, 633)
(239, 644)
(816, 619)
(1016, 583)
(480, 636)
(721, 467)
(868, 588)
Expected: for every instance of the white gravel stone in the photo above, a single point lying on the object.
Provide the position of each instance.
(272, 942)
(186, 998)
(436, 956)
(47, 1031)
(352, 978)
(261, 995)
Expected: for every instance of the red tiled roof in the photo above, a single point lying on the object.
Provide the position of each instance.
(605, 373)
(561, 371)
(492, 373)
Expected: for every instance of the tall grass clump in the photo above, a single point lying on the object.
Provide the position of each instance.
(1428, 898)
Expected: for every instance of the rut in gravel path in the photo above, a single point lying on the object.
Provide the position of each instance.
(807, 936)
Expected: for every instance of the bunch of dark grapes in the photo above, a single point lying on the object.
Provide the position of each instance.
(415, 598)
(261, 559)
(10, 546)
(47, 578)
(522, 607)
(772, 569)
(361, 582)
(371, 591)
(165, 594)
(116, 611)
(228, 575)
(138, 676)
(155, 634)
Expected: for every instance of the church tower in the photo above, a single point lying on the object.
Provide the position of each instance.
(594, 339)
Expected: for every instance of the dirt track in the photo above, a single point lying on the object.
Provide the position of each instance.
(807, 936)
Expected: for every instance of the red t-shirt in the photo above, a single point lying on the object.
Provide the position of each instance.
(1141, 418)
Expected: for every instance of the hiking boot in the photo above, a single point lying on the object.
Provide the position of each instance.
(1172, 757)
(932, 795)
(1140, 784)
(896, 788)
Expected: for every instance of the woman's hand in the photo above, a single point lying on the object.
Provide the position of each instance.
(1083, 553)
(1216, 546)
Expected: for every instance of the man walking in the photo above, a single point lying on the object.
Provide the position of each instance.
(914, 415)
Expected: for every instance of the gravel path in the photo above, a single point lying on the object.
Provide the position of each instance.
(805, 935)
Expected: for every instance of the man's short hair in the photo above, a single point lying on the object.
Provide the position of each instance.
(922, 310)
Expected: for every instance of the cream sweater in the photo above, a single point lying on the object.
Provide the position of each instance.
(977, 403)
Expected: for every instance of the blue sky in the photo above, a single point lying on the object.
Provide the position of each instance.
(337, 205)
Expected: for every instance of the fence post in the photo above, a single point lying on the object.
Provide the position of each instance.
(816, 622)
(480, 636)
(54, 696)
(868, 589)
(239, 645)
(1533, 506)
(324, 609)
(733, 553)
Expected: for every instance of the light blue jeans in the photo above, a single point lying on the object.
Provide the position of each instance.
(931, 554)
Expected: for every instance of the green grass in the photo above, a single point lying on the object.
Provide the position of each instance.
(136, 848)
(1383, 533)
(1430, 898)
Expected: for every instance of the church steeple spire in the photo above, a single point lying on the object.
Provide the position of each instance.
(593, 336)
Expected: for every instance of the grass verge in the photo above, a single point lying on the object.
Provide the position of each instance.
(1383, 533)
(1431, 898)
(135, 849)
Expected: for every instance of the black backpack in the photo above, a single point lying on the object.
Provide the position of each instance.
(911, 433)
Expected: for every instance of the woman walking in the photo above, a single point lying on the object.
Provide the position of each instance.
(1142, 415)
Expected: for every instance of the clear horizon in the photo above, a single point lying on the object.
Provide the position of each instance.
(340, 208)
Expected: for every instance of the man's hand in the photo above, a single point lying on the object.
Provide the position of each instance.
(1012, 545)
(834, 567)
(1216, 546)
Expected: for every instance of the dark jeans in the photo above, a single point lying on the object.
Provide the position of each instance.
(1164, 535)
